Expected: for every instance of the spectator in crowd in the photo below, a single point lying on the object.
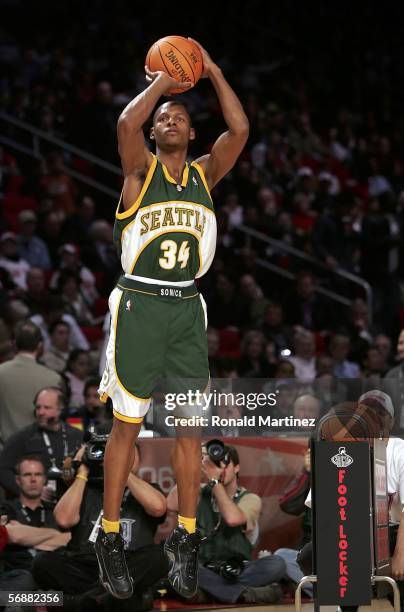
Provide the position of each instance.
(372, 366)
(76, 228)
(75, 569)
(380, 239)
(252, 361)
(304, 360)
(274, 327)
(58, 352)
(335, 241)
(307, 406)
(53, 310)
(31, 526)
(305, 307)
(231, 206)
(227, 516)
(11, 261)
(384, 346)
(20, 380)
(36, 293)
(394, 385)
(257, 303)
(48, 437)
(75, 304)
(339, 349)
(59, 186)
(94, 412)
(224, 306)
(70, 260)
(228, 412)
(78, 368)
(51, 233)
(100, 254)
(30, 247)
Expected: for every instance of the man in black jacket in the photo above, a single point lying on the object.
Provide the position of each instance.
(75, 570)
(49, 438)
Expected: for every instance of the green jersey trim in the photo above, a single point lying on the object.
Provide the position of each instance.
(201, 173)
(170, 179)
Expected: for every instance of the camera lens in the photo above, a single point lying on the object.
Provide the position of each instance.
(215, 451)
(97, 451)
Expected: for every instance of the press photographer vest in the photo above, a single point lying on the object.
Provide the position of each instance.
(223, 542)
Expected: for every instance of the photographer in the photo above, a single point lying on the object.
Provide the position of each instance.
(49, 438)
(30, 526)
(227, 517)
(75, 570)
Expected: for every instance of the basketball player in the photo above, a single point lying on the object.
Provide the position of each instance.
(165, 229)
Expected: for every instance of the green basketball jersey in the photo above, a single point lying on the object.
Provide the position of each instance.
(169, 233)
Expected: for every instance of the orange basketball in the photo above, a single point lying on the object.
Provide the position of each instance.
(178, 57)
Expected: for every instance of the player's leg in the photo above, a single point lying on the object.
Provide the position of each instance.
(187, 363)
(118, 460)
(109, 546)
(187, 459)
(128, 379)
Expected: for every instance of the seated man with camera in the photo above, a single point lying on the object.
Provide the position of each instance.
(75, 570)
(227, 517)
(30, 526)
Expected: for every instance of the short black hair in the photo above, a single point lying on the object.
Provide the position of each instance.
(56, 323)
(172, 103)
(233, 455)
(37, 458)
(73, 356)
(91, 382)
(27, 336)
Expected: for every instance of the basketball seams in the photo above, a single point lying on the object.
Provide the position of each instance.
(162, 59)
(185, 58)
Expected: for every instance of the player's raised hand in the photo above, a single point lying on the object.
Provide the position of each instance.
(208, 63)
(168, 81)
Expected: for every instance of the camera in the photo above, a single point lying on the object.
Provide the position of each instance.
(93, 458)
(95, 450)
(217, 452)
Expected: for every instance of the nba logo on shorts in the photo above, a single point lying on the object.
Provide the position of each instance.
(128, 305)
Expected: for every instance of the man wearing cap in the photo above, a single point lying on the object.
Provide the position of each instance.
(31, 247)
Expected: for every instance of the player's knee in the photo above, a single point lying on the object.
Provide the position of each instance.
(123, 431)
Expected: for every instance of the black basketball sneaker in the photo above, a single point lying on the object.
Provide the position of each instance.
(114, 574)
(182, 550)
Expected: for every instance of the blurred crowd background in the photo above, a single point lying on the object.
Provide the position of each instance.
(323, 172)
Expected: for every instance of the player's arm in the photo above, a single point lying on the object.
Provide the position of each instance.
(172, 500)
(26, 535)
(135, 156)
(397, 560)
(67, 510)
(229, 145)
(152, 500)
